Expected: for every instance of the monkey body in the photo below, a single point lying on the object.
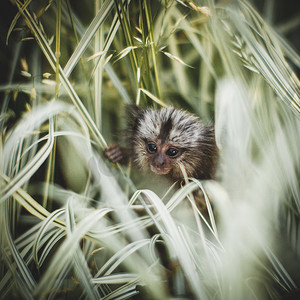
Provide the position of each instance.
(162, 140)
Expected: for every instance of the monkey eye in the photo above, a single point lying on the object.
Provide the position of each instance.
(151, 147)
(172, 152)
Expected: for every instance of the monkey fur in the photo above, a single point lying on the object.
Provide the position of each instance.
(160, 140)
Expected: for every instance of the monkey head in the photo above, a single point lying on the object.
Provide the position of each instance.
(163, 139)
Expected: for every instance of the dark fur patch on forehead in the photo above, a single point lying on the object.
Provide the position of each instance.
(165, 129)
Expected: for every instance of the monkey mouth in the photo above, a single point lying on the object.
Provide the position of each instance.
(160, 170)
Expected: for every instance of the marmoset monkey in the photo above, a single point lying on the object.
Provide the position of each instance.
(160, 140)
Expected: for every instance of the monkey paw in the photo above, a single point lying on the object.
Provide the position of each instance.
(113, 153)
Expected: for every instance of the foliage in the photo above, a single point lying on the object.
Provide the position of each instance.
(72, 225)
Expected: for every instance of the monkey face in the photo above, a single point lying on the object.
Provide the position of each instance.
(161, 156)
(167, 139)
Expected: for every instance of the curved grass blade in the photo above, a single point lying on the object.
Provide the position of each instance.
(27, 280)
(175, 243)
(64, 254)
(42, 231)
(120, 256)
(14, 21)
(30, 168)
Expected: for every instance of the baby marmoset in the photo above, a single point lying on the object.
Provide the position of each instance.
(161, 139)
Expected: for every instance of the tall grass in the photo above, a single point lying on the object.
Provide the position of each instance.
(74, 226)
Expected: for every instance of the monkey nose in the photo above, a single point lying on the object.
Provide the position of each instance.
(159, 162)
(159, 165)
